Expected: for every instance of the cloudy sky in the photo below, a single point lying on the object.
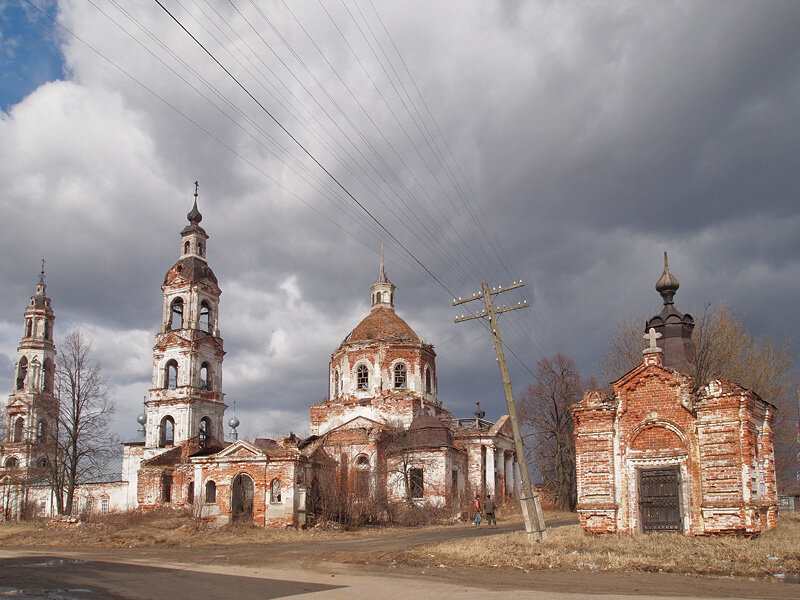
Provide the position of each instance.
(564, 144)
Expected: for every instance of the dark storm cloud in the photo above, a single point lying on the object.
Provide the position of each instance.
(594, 137)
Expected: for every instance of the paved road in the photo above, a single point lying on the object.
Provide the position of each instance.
(313, 571)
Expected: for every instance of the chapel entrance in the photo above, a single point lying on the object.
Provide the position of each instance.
(659, 499)
(242, 499)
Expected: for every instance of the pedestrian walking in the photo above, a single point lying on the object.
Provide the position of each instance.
(476, 507)
(489, 507)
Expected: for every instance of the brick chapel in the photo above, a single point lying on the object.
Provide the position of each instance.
(382, 435)
(658, 452)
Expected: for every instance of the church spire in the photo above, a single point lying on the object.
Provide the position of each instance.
(382, 291)
(194, 215)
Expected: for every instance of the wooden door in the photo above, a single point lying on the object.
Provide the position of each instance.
(242, 499)
(659, 499)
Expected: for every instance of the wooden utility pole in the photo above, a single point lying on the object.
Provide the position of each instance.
(531, 506)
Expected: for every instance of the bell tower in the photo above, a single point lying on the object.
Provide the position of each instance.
(382, 290)
(32, 410)
(185, 403)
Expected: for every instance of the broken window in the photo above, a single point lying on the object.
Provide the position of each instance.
(171, 374)
(400, 375)
(275, 491)
(167, 432)
(362, 377)
(211, 492)
(28, 327)
(19, 424)
(204, 431)
(12, 462)
(427, 380)
(41, 430)
(204, 323)
(205, 377)
(416, 483)
(176, 314)
(22, 373)
(190, 493)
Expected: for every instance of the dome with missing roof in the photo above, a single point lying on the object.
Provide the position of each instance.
(382, 324)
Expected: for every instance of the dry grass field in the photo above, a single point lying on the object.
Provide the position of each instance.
(772, 554)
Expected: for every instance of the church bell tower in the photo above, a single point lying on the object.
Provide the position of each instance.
(32, 410)
(185, 404)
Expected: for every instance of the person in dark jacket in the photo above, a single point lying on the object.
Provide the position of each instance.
(489, 508)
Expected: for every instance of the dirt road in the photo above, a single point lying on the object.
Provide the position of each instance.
(324, 570)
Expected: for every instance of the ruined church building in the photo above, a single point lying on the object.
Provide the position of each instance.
(381, 435)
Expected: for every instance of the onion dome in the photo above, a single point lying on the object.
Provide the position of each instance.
(667, 284)
(194, 215)
(141, 419)
(382, 324)
(234, 422)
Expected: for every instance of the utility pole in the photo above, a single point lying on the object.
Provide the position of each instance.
(531, 506)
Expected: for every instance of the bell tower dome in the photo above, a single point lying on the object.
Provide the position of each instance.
(185, 404)
(382, 290)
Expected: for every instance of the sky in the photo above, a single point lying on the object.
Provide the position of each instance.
(567, 145)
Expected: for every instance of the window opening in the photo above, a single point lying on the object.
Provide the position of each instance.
(18, 425)
(28, 327)
(171, 375)
(41, 431)
(104, 506)
(400, 375)
(362, 477)
(166, 488)
(416, 483)
(87, 505)
(275, 491)
(42, 463)
(427, 380)
(204, 323)
(22, 373)
(48, 330)
(336, 383)
(205, 377)
(167, 432)
(176, 315)
(362, 377)
(454, 479)
(186, 248)
(204, 431)
(12, 462)
(47, 375)
(211, 492)
(190, 493)
(200, 248)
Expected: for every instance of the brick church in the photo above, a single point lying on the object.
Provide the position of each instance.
(657, 452)
(381, 436)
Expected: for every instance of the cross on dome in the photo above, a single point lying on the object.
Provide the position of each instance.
(651, 336)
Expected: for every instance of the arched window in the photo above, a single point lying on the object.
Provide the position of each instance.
(362, 377)
(361, 479)
(47, 375)
(400, 376)
(42, 463)
(186, 247)
(427, 380)
(19, 425)
(167, 432)
(378, 297)
(204, 322)
(205, 377)
(22, 373)
(390, 298)
(12, 462)
(275, 491)
(176, 314)
(48, 330)
(41, 430)
(204, 431)
(200, 248)
(28, 327)
(171, 375)
(211, 492)
(190, 493)
(336, 383)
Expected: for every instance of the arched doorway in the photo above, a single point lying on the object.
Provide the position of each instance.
(242, 499)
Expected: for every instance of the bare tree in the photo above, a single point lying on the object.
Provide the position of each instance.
(724, 348)
(83, 444)
(544, 414)
(400, 452)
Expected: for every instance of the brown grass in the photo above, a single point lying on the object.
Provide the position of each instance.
(772, 554)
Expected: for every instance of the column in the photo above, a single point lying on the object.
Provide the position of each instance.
(490, 469)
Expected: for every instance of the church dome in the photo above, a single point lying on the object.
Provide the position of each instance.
(382, 324)
(427, 431)
(190, 269)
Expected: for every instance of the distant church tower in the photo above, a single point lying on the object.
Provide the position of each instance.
(32, 410)
(185, 403)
